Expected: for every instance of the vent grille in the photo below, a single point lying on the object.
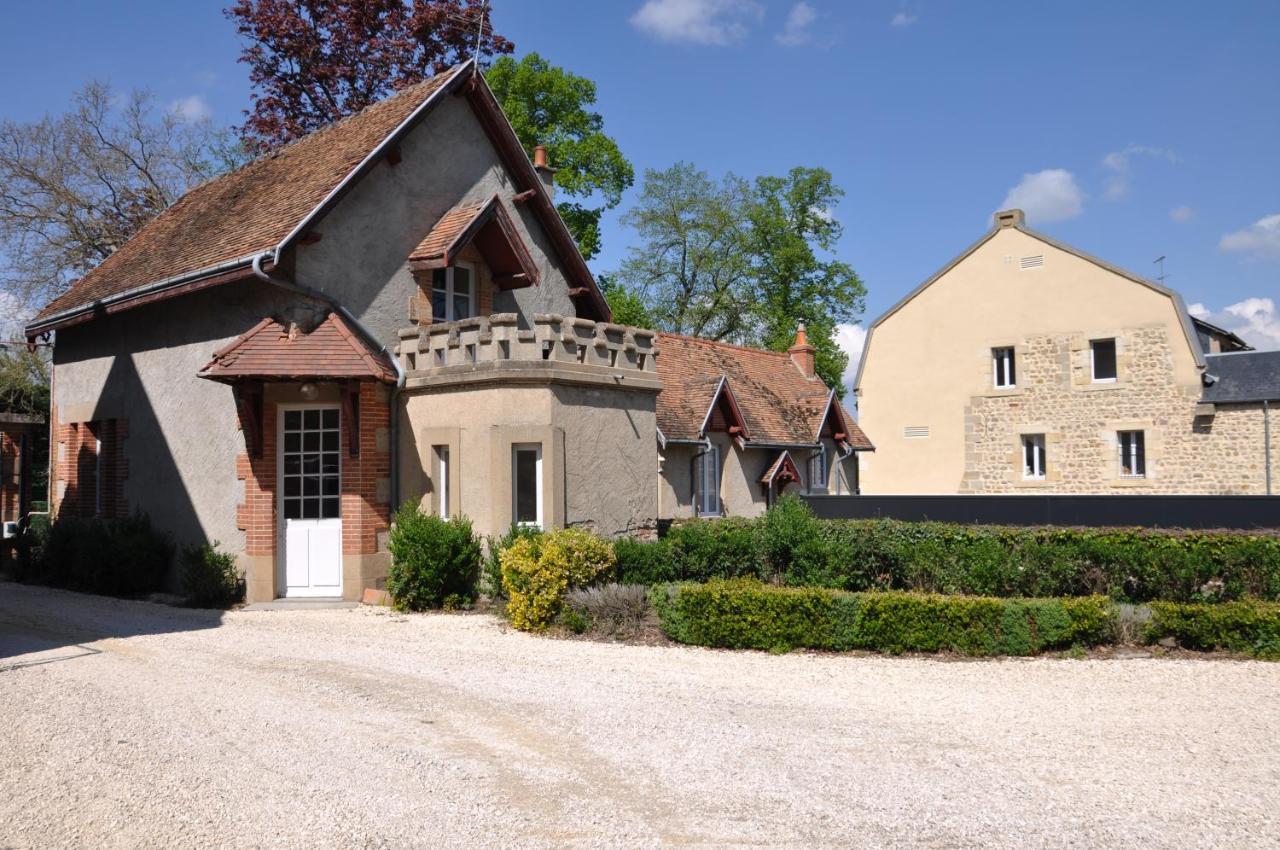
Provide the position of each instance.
(915, 432)
(1035, 262)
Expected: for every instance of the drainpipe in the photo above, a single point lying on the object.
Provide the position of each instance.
(1266, 438)
(369, 338)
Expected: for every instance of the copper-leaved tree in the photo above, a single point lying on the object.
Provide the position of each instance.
(312, 62)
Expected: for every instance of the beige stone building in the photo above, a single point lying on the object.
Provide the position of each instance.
(1028, 366)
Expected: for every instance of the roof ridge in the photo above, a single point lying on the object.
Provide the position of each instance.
(716, 342)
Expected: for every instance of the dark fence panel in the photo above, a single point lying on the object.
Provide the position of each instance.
(1240, 512)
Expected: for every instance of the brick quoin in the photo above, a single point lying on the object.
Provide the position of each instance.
(78, 468)
(10, 470)
(364, 516)
(256, 515)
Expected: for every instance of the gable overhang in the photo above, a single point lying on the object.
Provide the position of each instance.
(1188, 329)
(494, 235)
(737, 423)
(841, 429)
(782, 469)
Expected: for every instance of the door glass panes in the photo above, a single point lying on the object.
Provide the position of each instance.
(311, 464)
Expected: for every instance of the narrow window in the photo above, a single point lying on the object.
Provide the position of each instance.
(708, 473)
(1133, 454)
(1002, 368)
(442, 480)
(97, 475)
(1102, 354)
(453, 293)
(526, 485)
(818, 469)
(1033, 464)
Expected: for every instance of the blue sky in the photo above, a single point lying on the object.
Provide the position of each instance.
(1131, 130)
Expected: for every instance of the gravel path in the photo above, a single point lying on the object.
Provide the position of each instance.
(134, 725)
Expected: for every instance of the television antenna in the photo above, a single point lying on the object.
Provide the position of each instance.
(1160, 261)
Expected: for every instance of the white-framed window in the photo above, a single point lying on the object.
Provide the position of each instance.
(1102, 360)
(1033, 460)
(818, 469)
(1003, 370)
(526, 485)
(442, 480)
(1133, 453)
(97, 475)
(453, 293)
(708, 474)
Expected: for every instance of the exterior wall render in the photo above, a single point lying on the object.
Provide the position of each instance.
(930, 365)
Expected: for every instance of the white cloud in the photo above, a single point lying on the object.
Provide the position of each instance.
(715, 22)
(1049, 195)
(1261, 238)
(851, 339)
(903, 19)
(1120, 163)
(796, 30)
(1181, 214)
(13, 316)
(192, 108)
(1256, 320)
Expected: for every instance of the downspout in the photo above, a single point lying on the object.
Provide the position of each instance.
(369, 338)
(1266, 439)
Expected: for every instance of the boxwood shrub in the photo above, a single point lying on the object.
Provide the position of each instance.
(789, 546)
(435, 562)
(115, 557)
(747, 614)
(1252, 627)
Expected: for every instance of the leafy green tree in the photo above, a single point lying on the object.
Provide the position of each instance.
(742, 262)
(691, 269)
(628, 306)
(552, 107)
(792, 235)
(24, 380)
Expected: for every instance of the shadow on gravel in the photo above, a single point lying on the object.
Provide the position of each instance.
(40, 625)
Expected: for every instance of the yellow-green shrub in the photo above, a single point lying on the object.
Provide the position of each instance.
(538, 571)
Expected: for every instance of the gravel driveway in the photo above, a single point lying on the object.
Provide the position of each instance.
(127, 724)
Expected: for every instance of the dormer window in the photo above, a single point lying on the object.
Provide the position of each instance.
(453, 293)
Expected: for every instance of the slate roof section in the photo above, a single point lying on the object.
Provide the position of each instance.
(249, 210)
(1243, 376)
(272, 350)
(778, 403)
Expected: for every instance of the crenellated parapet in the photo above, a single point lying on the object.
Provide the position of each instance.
(555, 349)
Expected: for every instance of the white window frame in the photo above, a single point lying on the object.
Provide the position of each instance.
(472, 296)
(536, 448)
(707, 470)
(1132, 450)
(1093, 365)
(442, 481)
(97, 475)
(1007, 354)
(1039, 456)
(819, 464)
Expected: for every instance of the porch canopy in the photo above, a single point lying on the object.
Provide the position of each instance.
(273, 351)
(486, 225)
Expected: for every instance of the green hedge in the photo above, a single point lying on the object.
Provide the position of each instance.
(790, 546)
(116, 557)
(1251, 627)
(746, 614)
(435, 562)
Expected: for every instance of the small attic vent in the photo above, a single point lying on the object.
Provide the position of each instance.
(915, 432)
(1035, 262)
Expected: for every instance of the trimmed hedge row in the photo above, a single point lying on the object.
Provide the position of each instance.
(124, 557)
(790, 546)
(746, 614)
(1251, 627)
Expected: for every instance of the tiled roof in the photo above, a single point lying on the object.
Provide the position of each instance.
(447, 230)
(248, 210)
(1243, 376)
(778, 403)
(274, 350)
(782, 466)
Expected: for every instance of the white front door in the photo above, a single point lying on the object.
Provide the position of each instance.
(310, 500)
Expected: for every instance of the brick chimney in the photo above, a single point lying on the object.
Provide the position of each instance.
(545, 171)
(802, 353)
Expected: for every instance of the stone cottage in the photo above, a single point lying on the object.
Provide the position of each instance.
(1028, 366)
(387, 310)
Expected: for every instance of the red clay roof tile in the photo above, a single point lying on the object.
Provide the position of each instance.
(271, 351)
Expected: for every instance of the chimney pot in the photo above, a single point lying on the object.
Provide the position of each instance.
(545, 172)
(802, 353)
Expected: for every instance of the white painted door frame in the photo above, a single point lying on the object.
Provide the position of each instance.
(309, 549)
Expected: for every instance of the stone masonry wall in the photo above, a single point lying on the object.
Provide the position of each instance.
(1218, 454)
